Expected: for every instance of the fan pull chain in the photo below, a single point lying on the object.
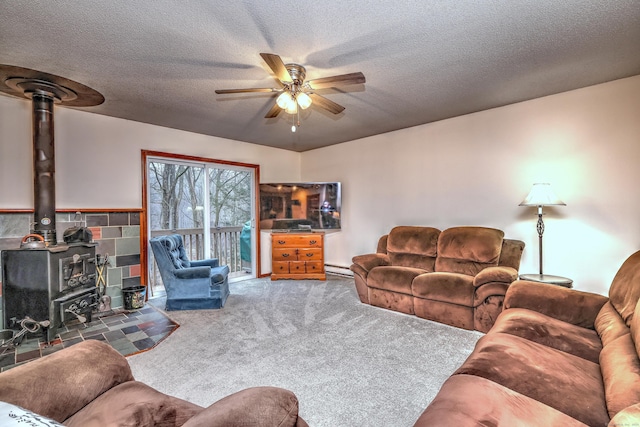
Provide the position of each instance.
(295, 125)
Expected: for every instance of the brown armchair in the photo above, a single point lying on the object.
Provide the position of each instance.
(458, 276)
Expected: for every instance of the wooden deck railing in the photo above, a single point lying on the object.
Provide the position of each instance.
(225, 245)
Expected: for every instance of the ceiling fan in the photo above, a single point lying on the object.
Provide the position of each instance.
(295, 92)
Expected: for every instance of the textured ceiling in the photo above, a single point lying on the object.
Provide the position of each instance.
(159, 61)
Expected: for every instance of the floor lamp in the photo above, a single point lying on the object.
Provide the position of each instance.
(541, 195)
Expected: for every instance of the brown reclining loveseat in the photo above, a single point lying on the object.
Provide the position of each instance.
(458, 276)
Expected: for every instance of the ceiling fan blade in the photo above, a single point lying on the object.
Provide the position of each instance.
(258, 89)
(325, 103)
(273, 112)
(333, 81)
(277, 66)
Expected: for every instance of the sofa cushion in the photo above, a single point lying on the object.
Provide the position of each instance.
(410, 246)
(468, 250)
(620, 374)
(470, 401)
(448, 287)
(565, 382)
(623, 294)
(134, 404)
(537, 327)
(393, 278)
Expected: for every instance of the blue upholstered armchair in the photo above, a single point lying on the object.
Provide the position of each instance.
(190, 285)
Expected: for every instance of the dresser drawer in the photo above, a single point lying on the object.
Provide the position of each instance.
(314, 267)
(311, 254)
(297, 267)
(297, 241)
(284, 254)
(280, 267)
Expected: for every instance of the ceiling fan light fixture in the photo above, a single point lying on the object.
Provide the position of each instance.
(284, 99)
(292, 86)
(292, 107)
(304, 100)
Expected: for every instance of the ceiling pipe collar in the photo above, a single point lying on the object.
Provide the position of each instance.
(30, 87)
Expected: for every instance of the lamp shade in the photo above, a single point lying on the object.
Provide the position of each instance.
(541, 194)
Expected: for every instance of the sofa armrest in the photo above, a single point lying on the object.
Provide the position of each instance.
(255, 407)
(495, 274)
(569, 305)
(369, 261)
(219, 274)
(193, 273)
(362, 264)
(213, 262)
(62, 383)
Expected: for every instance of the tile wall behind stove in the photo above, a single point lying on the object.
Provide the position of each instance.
(116, 233)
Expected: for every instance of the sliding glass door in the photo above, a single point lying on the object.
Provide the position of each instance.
(211, 205)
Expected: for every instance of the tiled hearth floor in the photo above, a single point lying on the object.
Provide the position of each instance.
(129, 332)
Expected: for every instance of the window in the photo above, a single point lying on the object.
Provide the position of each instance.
(210, 203)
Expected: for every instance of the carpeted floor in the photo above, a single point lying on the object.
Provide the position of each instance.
(350, 364)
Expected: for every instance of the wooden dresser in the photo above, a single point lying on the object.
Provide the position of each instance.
(297, 256)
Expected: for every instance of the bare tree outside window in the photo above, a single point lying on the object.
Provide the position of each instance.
(230, 196)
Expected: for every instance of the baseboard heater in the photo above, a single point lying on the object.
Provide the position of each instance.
(338, 270)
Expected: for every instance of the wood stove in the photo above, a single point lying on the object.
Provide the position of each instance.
(56, 283)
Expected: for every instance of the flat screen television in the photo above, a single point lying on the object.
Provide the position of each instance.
(300, 206)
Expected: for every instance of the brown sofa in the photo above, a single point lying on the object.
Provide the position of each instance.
(90, 385)
(555, 357)
(458, 276)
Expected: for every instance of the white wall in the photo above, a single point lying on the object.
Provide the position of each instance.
(98, 157)
(476, 169)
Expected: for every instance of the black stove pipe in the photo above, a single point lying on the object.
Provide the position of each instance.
(44, 90)
(44, 190)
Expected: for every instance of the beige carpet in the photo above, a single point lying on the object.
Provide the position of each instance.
(350, 364)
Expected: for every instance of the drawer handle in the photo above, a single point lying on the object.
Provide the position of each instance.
(285, 255)
(282, 242)
(309, 254)
(313, 242)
